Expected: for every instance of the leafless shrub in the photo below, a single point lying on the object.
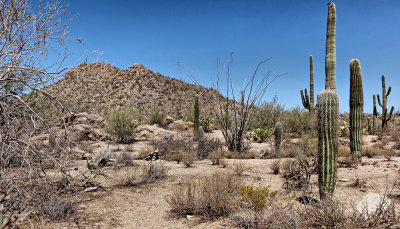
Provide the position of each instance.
(297, 172)
(207, 145)
(187, 158)
(124, 160)
(211, 196)
(239, 168)
(275, 166)
(388, 153)
(215, 157)
(369, 152)
(171, 145)
(144, 174)
(57, 209)
(358, 183)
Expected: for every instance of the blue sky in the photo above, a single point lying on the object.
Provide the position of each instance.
(159, 33)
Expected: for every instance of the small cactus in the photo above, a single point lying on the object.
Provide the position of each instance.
(383, 104)
(356, 109)
(278, 137)
(308, 102)
(327, 121)
(196, 117)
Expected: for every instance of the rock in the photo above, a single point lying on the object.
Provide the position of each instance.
(179, 126)
(148, 133)
(371, 202)
(169, 119)
(344, 180)
(90, 189)
(190, 217)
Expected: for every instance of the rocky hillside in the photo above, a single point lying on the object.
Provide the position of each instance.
(99, 88)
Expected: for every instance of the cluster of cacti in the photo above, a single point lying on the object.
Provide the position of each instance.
(383, 104)
(260, 134)
(327, 122)
(278, 136)
(308, 102)
(207, 123)
(196, 117)
(356, 109)
(374, 116)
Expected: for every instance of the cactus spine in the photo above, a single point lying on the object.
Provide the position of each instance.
(196, 118)
(278, 136)
(356, 109)
(374, 116)
(327, 120)
(383, 104)
(308, 102)
(330, 58)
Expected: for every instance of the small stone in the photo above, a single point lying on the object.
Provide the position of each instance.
(90, 189)
(344, 180)
(190, 217)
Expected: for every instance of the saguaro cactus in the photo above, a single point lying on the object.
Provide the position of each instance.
(356, 109)
(278, 136)
(196, 117)
(330, 58)
(327, 120)
(374, 116)
(383, 104)
(308, 102)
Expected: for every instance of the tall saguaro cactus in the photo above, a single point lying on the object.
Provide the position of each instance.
(374, 116)
(383, 104)
(327, 121)
(330, 55)
(308, 102)
(196, 121)
(356, 109)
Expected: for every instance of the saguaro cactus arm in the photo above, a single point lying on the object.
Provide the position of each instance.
(305, 99)
(330, 58)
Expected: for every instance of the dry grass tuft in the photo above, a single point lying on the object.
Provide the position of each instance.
(275, 166)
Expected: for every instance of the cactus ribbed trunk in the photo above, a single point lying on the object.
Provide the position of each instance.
(327, 120)
(356, 109)
(196, 121)
(374, 116)
(383, 104)
(330, 58)
(278, 137)
(308, 102)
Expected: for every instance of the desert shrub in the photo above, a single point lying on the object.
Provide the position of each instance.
(388, 153)
(275, 166)
(369, 152)
(207, 145)
(57, 209)
(289, 150)
(267, 114)
(210, 197)
(156, 116)
(124, 160)
(297, 120)
(297, 172)
(207, 123)
(260, 134)
(122, 124)
(215, 157)
(256, 198)
(169, 146)
(144, 174)
(187, 158)
(344, 151)
(176, 156)
(239, 168)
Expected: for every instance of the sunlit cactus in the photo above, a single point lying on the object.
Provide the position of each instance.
(308, 102)
(278, 136)
(383, 104)
(330, 58)
(356, 109)
(327, 122)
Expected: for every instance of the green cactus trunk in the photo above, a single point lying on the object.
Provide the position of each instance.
(374, 116)
(330, 58)
(196, 117)
(308, 102)
(356, 109)
(327, 120)
(278, 137)
(383, 104)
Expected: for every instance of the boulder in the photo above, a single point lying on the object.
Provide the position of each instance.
(169, 119)
(371, 202)
(179, 126)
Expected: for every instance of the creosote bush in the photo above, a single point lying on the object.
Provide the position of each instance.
(210, 197)
(122, 124)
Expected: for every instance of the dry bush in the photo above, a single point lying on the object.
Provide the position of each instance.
(344, 151)
(87, 147)
(223, 163)
(144, 174)
(187, 158)
(176, 156)
(144, 152)
(256, 198)
(388, 153)
(207, 145)
(275, 166)
(57, 209)
(124, 160)
(369, 152)
(289, 150)
(239, 168)
(171, 145)
(348, 162)
(210, 197)
(215, 157)
(297, 172)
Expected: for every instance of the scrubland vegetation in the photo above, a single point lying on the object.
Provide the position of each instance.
(198, 160)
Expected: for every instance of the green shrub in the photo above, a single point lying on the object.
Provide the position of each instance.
(267, 114)
(257, 198)
(260, 134)
(207, 123)
(344, 130)
(122, 124)
(156, 116)
(298, 120)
